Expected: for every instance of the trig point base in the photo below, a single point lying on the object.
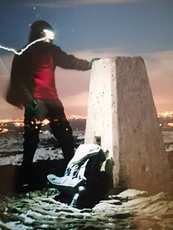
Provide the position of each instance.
(122, 118)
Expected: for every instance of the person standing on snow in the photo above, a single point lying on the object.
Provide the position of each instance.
(33, 81)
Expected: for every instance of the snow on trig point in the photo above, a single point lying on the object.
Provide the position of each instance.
(122, 118)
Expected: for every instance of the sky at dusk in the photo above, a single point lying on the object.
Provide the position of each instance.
(93, 28)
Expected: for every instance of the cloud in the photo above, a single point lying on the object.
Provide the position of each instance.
(160, 63)
(101, 53)
(160, 71)
(71, 3)
(79, 99)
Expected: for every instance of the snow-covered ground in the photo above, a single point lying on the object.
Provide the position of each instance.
(11, 147)
(168, 136)
(168, 140)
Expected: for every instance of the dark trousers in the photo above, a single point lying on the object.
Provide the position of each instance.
(53, 111)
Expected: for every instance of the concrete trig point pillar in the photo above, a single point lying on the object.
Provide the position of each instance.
(122, 118)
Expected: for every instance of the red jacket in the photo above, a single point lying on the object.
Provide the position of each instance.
(33, 72)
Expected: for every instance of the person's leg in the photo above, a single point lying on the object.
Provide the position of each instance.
(32, 127)
(61, 128)
(31, 139)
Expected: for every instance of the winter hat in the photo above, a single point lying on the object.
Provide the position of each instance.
(37, 30)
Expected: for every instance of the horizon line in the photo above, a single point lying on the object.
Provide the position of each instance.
(74, 116)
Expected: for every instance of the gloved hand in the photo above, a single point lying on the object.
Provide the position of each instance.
(92, 60)
(30, 107)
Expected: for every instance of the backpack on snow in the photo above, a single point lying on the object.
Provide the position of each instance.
(82, 177)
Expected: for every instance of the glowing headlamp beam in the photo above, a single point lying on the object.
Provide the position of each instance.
(49, 34)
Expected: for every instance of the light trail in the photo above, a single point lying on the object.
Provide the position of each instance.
(22, 50)
(48, 35)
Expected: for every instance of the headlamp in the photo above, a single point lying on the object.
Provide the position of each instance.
(49, 34)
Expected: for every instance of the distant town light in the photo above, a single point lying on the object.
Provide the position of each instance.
(17, 124)
(166, 114)
(4, 130)
(45, 122)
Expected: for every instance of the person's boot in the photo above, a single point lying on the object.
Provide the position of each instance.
(26, 176)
